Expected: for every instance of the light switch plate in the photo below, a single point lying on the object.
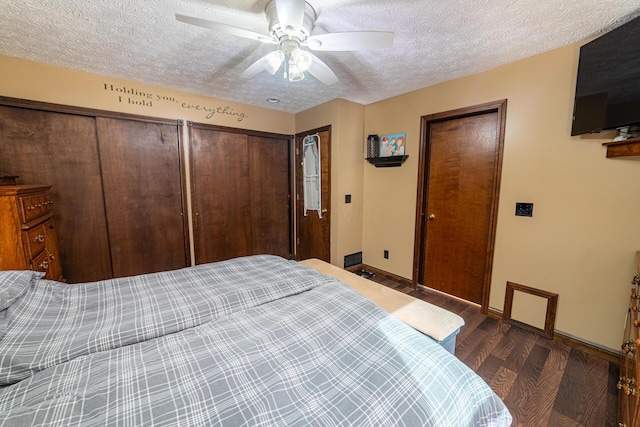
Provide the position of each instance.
(524, 209)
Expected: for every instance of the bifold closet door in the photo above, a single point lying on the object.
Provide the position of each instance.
(240, 193)
(143, 193)
(61, 150)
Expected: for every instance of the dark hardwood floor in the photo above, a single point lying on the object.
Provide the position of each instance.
(542, 382)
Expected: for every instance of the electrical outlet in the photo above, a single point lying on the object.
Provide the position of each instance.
(347, 198)
(386, 254)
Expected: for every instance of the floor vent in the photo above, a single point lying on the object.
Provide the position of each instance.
(353, 259)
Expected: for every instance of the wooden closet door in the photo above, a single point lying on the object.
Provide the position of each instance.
(141, 173)
(240, 194)
(269, 195)
(61, 150)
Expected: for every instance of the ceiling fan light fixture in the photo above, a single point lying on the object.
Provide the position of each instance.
(295, 74)
(301, 59)
(290, 24)
(273, 61)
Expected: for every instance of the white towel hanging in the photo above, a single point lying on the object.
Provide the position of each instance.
(312, 181)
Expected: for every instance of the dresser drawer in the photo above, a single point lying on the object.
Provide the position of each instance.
(35, 240)
(32, 207)
(41, 263)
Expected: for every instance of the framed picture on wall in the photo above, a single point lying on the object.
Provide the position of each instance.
(392, 145)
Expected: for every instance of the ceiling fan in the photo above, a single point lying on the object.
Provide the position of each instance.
(290, 26)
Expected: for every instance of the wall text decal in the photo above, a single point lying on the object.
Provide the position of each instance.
(215, 110)
(133, 96)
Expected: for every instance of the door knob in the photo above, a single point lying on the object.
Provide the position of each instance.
(325, 210)
(431, 217)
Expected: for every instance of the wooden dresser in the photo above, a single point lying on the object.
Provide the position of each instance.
(628, 385)
(28, 238)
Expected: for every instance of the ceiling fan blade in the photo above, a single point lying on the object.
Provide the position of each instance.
(322, 72)
(290, 15)
(225, 28)
(350, 40)
(253, 70)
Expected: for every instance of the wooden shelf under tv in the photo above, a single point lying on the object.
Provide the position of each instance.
(625, 148)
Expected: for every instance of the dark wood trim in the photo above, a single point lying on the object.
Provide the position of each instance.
(293, 190)
(292, 201)
(424, 155)
(80, 111)
(192, 186)
(550, 316)
(183, 186)
(494, 314)
(587, 347)
(573, 342)
(423, 161)
(502, 122)
(228, 129)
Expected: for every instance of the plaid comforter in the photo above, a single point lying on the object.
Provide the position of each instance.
(255, 341)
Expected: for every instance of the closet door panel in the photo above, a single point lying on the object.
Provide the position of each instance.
(222, 208)
(269, 184)
(240, 188)
(60, 149)
(141, 172)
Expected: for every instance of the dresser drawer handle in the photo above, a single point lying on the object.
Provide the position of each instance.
(39, 238)
(44, 265)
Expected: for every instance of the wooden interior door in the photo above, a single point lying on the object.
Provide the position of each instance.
(240, 193)
(313, 233)
(61, 150)
(457, 207)
(143, 192)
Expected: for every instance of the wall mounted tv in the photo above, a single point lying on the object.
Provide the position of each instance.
(608, 84)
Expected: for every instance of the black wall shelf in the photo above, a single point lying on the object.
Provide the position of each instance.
(387, 162)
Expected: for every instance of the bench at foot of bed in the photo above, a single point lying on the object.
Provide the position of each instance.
(437, 323)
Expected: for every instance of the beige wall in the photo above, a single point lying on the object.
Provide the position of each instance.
(39, 82)
(583, 236)
(347, 164)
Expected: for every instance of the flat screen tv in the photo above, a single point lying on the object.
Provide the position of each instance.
(608, 83)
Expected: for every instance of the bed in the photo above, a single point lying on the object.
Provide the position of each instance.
(254, 341)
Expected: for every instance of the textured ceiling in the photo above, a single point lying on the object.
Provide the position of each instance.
(435, 41)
